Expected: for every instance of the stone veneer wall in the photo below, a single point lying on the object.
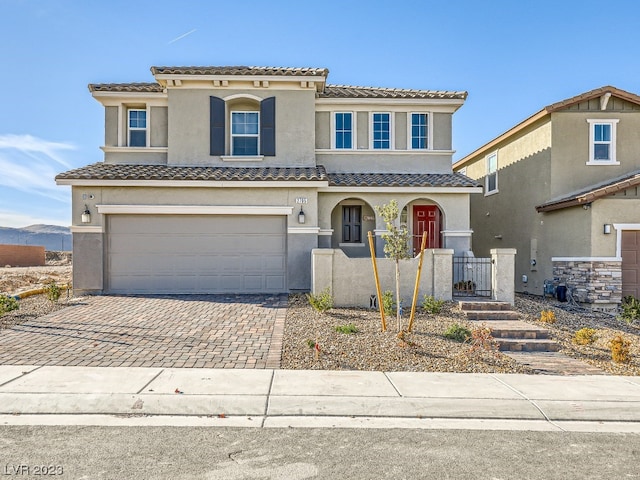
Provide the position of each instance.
(598, 283)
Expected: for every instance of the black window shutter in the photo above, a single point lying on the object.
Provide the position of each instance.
(268, 127)
(216, 126)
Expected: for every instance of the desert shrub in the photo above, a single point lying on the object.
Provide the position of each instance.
(585, 336)
(482, 339)
(457, 333)
(321, 302)
(620, 349)
(630, 309)
(7, 304)
(388, 303)
(547, 316)
(348, 329)
(53, 291)
(432, 305)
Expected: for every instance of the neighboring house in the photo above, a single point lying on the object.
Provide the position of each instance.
(223, 179)
(562, 188)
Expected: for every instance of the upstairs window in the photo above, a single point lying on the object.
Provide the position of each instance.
(602, 142)
(419, 131)
(137, 128)
(343, 130)
(245, 133)
(351, 224)
(491, 181)
(381, 131)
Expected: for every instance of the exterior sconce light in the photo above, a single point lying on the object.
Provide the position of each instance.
(301, 215)
(606, 229)
(86, 215)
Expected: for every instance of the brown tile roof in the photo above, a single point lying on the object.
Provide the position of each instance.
(597, 92)
(241, 70)
(346, 91)
(592, 193)
(400, 180)
(126, 87)
(111, 171)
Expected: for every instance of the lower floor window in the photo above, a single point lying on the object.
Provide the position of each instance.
(352, 224)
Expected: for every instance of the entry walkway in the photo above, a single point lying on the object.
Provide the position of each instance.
(201, 331)
(298, 398)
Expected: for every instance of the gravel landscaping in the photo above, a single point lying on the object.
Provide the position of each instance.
(426, 348)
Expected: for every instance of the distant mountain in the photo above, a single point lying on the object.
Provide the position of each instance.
(51, 237)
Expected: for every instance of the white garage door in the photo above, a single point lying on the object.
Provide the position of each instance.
(196, 254)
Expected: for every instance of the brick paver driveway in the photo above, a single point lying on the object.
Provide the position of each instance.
(212, 331)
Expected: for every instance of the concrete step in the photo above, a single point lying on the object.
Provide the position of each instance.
(486, 315)
(483, 305)
(514, 329)
(554, 363)
(526, 345)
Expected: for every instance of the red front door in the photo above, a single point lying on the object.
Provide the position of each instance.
(426, 218)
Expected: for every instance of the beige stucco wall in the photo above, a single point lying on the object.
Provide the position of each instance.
(111, 126)
(351, 280)
(569, 171)
(380, 162)
(159, 126)
(442, 131)
(189, 127)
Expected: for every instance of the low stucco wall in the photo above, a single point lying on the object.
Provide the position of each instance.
(352, 283)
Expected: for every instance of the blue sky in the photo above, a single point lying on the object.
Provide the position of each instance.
(513, 57)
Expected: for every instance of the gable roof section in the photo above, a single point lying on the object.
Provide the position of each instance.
(549, 109)
(346, 91)
(592, 193)
(112, 171)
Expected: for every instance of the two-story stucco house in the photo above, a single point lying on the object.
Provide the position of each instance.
(562, 188)
(223, 179)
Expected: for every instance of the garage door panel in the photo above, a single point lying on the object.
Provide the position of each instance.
(630, 263)
(196, 254)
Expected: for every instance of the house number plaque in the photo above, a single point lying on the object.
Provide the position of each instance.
(302, 200)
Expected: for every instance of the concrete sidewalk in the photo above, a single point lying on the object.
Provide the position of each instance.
(292, 398)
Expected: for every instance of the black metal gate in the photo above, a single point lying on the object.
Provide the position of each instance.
(471, 277)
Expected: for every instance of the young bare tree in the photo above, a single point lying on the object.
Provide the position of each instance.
(396, 245)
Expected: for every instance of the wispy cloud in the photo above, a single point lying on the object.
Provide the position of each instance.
(30, 164)
(182, 36)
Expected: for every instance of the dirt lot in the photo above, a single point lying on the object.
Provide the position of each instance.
(15, 280)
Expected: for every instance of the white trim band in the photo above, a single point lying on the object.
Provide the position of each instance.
(457, 233)
(193, 210)
(306, 230)
(86, 229)
(586, 259)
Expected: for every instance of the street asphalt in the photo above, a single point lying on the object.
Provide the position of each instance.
(266, 398)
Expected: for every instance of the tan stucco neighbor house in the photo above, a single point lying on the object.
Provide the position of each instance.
(224, 179)
(562, 188)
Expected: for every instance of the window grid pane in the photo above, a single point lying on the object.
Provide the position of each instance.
(245, 128)
(343, 130)
(419, 130)
(381, 131)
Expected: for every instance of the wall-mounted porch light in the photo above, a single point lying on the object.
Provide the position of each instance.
(301, 215)
(86, 215)
(606, 229)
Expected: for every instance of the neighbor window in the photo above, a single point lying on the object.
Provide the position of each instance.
(351, 224)
(381, 131)
(344, 130)
(419, 131)
(137, 128)
(491, 182)
(602, 141)
(245, 130)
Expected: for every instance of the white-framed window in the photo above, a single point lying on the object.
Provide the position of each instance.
(419, 131)
(245, 133)
(343, 130)
(137, 127)
(602, 142)
(381, 130)
(491, 180)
